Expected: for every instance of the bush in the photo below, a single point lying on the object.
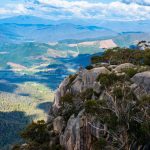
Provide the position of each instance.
(118, 92)
(130, 72)
(57, 147)
(36, 132)
(87, 94)
(95, 59)
(67, 98)
(100, 144)
(145, 100)
(107, 79)
(147, 57)
(71, 79)
(68, 112)
(89, 67)
(141, 131)
(16, 147)
(91, 106)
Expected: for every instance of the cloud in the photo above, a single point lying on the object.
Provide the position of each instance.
(140, 2)
(13, 9)
(83, 9)
(112, 10)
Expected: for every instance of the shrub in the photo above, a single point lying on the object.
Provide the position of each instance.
(89, 67)
(147, 57)
(107, 79)
(130, 72)
(16, 147)
(67, 98)
(145, 100)
(68, 112)
(100, 144)
(71, 79)
(95, 59)
(36, 132)
(87, 94)
(141, 131)
(118, 92)
(56, 147)
(91, 106)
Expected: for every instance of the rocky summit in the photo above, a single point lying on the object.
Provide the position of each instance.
(105, 106)
(82, 129)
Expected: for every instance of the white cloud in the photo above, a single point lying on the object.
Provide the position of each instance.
(63, 9)
(140, 2)
(12, 9)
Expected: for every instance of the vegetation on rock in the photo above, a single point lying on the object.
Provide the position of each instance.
(123, 55)
(67, 98)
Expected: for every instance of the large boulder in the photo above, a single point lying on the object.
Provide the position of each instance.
(97, 87)
(70, 139)
(141, 83)
(121, 67)
(86, 79)
(58, 124)
(60, 92)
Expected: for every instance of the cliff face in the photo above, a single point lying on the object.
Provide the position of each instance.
(82, 100)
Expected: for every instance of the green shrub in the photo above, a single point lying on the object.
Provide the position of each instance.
(89, 67)
(36, 132)
(16, 147)
(67, 98)
(91, 106)
(130, 72)
(107, 79)
(118, 92)
(141, 131)
(71, 79)
(147, 57)
(68, 112)
(95, 59)
(145, 100)
(100, 144)
(87, 94)
(56, 147)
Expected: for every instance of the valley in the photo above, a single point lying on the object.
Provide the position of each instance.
(29, 75)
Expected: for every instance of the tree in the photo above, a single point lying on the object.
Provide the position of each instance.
(36, 132)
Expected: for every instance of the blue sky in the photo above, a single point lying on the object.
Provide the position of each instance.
(124, 10)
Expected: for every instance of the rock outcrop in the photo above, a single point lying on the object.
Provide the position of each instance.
(75, 134)
(70, 139)
(86, 78)
(83, 81)
(141, 84)
(121, 67)
(58, 124)
(60, 92)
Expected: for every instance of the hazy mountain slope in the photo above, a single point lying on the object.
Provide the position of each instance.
(26, 20)
(52, 33)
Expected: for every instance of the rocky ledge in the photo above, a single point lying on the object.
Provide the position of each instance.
(103, 108)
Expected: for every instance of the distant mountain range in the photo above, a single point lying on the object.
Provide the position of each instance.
(30, 28)
(51, 33)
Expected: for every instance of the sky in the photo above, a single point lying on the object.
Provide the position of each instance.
(124, 10)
